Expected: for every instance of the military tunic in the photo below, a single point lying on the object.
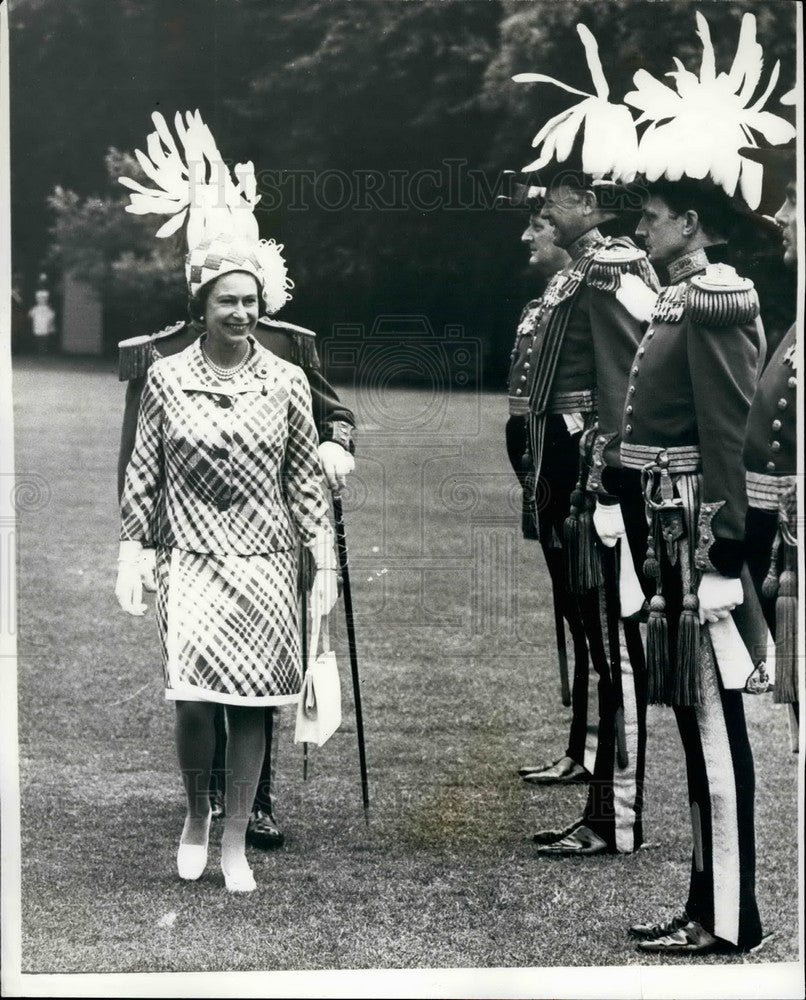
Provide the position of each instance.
(561, 451)
(684, 421)
(770, 460)
(584, 343)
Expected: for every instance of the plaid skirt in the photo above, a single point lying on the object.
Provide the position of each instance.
(229, 627)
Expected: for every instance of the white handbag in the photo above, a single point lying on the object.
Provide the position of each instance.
(319, 705)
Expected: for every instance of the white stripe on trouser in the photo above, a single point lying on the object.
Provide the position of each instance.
(592, 713)
(625, 787)
(722, 793)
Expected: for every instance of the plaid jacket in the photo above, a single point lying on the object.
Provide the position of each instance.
(225, 466)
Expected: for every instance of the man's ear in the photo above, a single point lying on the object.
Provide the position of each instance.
(691, 222)
(589, 202)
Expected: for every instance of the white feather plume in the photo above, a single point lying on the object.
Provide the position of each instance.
(192, 183)
(609, 143)
(698, 129)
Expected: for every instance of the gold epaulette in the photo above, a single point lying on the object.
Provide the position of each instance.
(720, 297)
(303, 341)
(610, 262)
(135, 354)
(670, 305)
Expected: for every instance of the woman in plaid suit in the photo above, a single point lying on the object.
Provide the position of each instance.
(224, 479)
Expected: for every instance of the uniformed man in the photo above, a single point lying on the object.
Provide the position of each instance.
(770, 459)
(683, 427)
(585, 339)
(546, 259)
(225, 204)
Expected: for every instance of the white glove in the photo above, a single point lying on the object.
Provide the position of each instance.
(636, 297)
(148, 569)
(324, 591)
(609, 523)
(718, 596)
(129, 585)
(337, 463)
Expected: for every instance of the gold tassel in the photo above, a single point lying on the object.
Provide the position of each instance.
(590, 567)
(786, 632)
(657, 653)
(687, 675)
(769, 588)
(571, 541)
(303, 351)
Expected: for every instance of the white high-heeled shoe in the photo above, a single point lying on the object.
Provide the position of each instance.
(240, 878)
(191, 859)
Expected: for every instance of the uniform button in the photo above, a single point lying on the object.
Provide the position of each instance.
(523, 378)
(629, 410)
(635, 370)
(776, 446)
(628, 429)
(641, 351)
(526, 366)
(792, 382)
(770, 466)
(519, 392)
(513, 355)
(631, 390)
(224, 402)
(528, 350)
(781, 404)
(776, 425)
(650, 335)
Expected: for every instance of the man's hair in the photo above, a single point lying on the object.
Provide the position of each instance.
(717, 215)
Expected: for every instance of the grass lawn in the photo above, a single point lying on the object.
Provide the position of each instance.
(460, 688)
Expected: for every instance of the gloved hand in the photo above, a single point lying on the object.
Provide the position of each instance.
(324, 591)
(609, 523)
(129, 585)
(636, 297)
(148, 569)
(718, 596)
(337, 463)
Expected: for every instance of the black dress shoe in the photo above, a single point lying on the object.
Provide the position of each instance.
(564, 771)
(646, 932)
(550, 836)
(263, 832)
(581, 842)
(217, 805)
(690, 939)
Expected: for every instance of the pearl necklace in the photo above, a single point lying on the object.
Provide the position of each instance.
(225, 373)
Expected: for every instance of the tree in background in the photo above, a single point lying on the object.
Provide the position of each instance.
(345, 90)
(137, 278)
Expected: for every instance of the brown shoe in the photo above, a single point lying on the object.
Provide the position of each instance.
(690, 939)
(564, 771)
(583, 841)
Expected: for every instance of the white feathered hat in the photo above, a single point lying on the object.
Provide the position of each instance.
(595, 136)
(698, 130)
(194, 185)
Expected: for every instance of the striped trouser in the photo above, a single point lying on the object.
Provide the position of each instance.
(584, 732)
(615, 793)
(721, 787)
